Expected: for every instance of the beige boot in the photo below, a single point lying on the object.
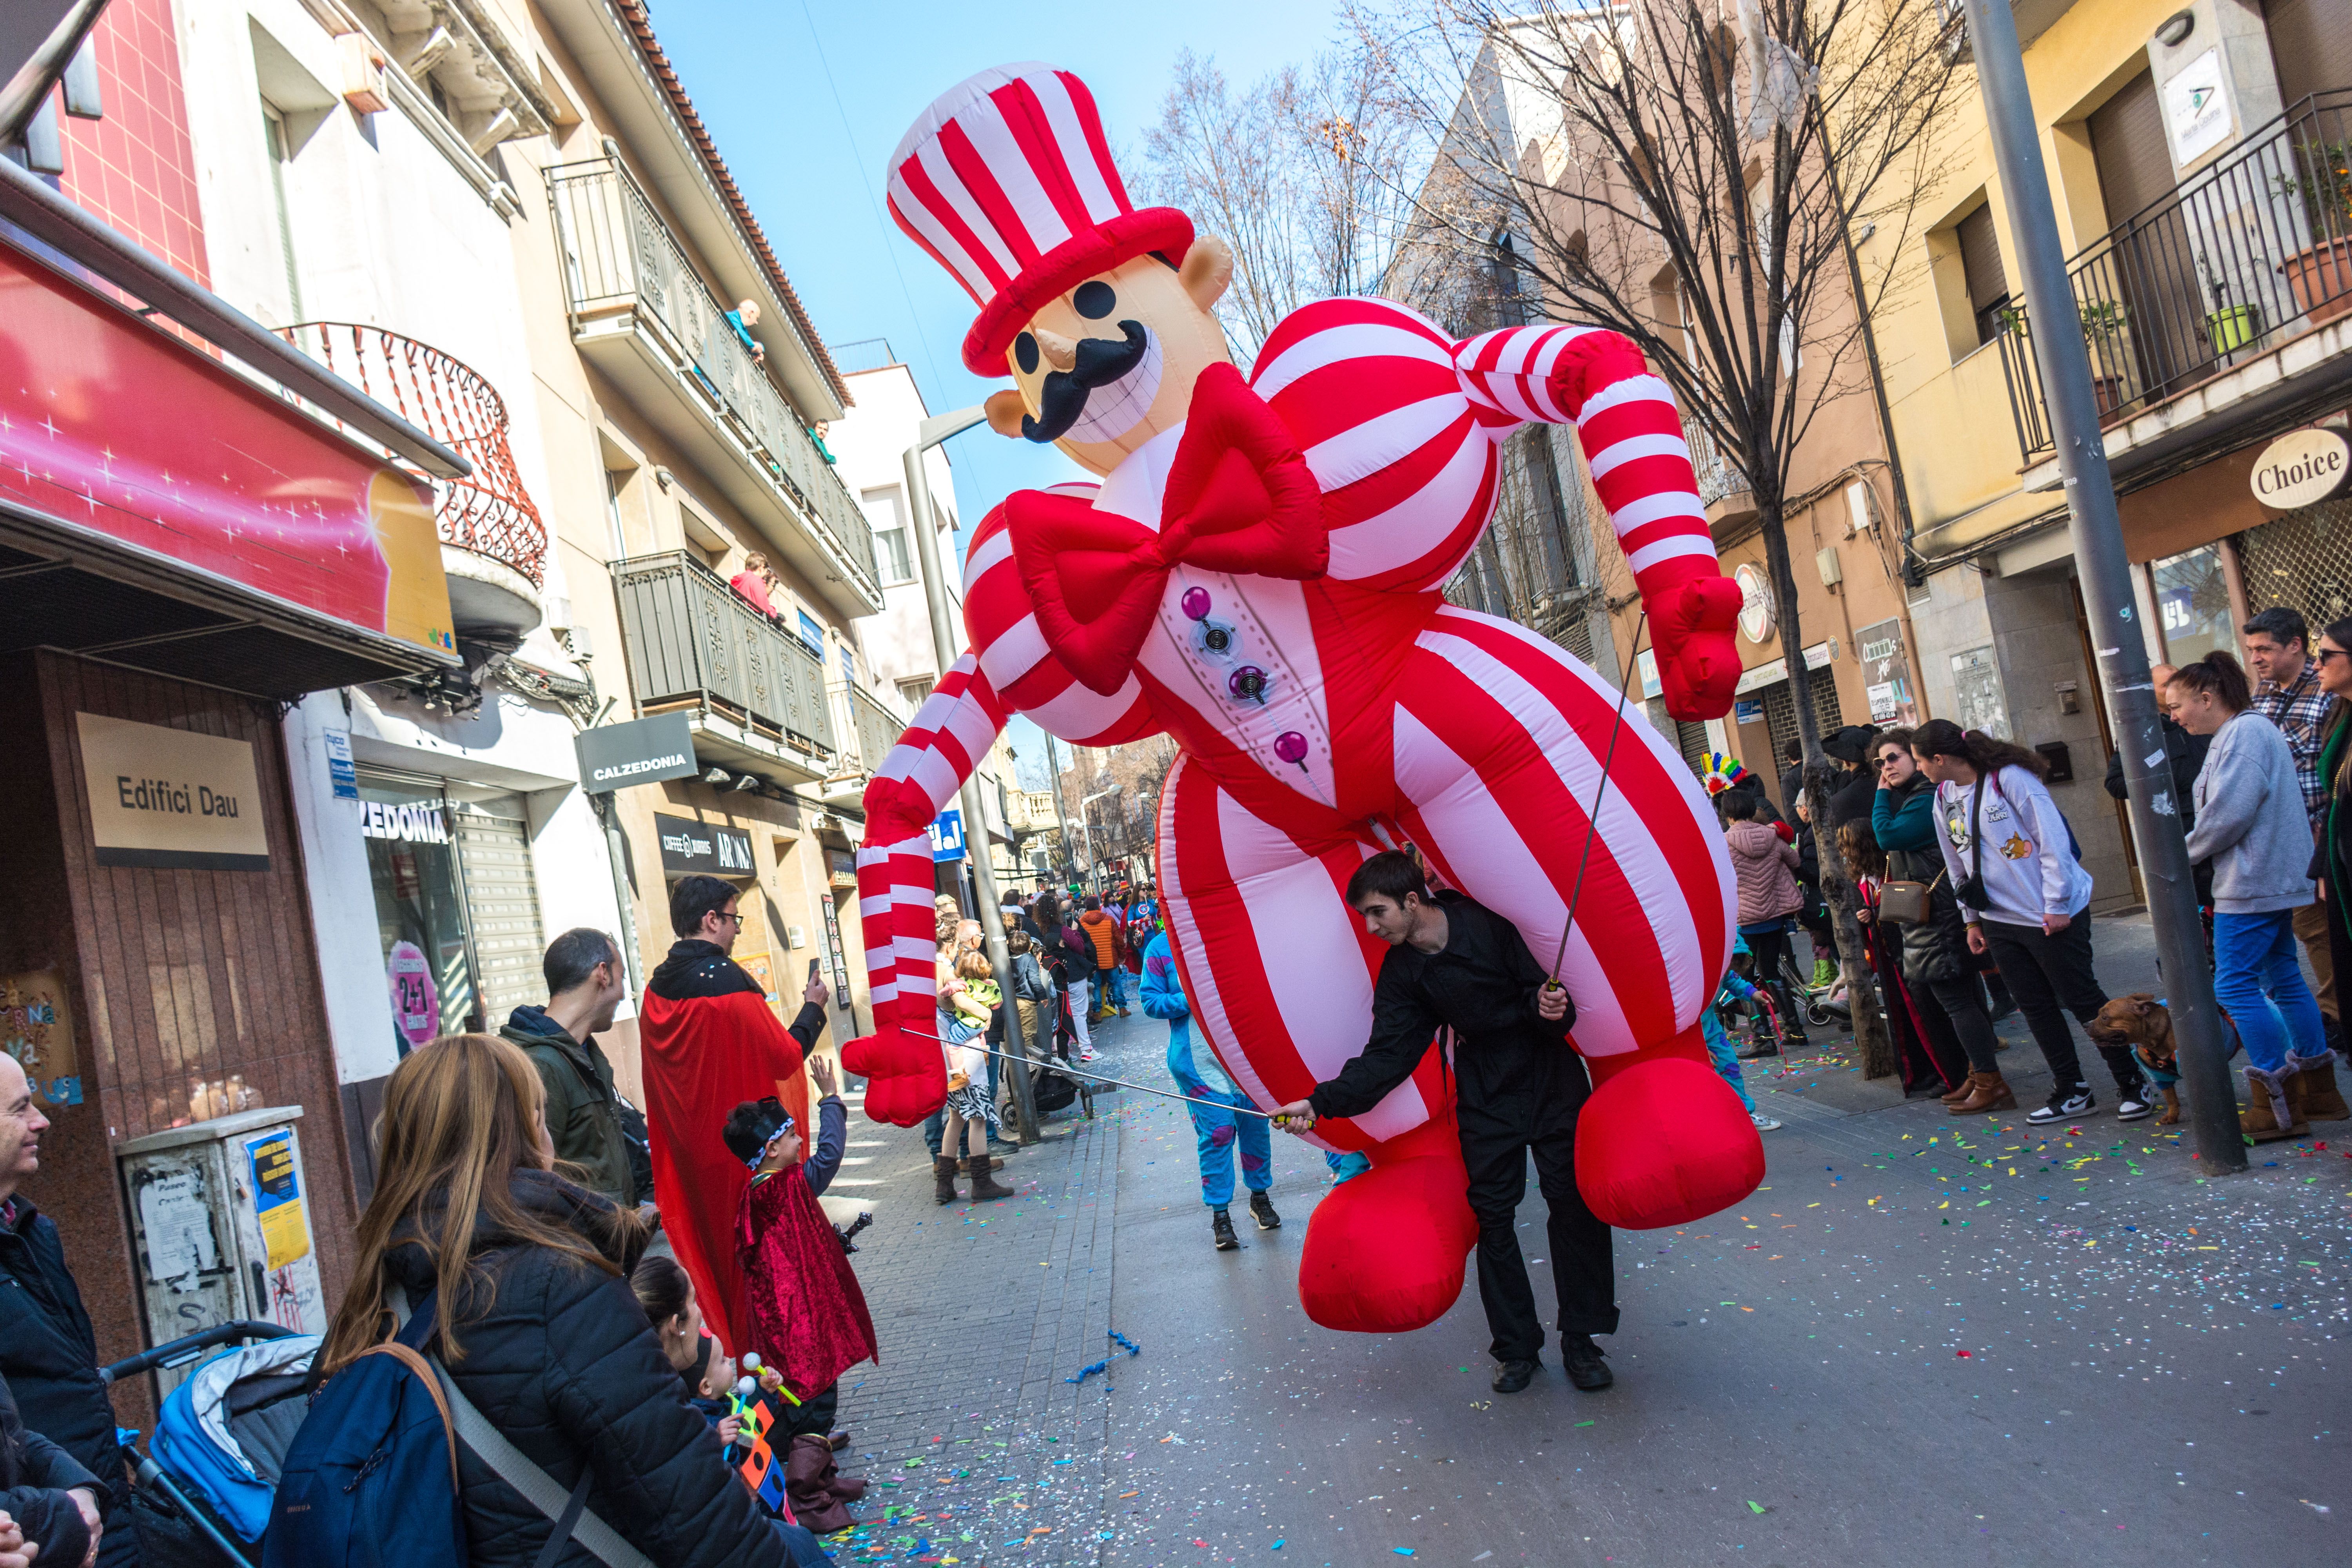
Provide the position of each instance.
(2323, 1099)
(1987, 1091)
(2272, 1115)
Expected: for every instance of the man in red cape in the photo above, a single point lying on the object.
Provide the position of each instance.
(711, 1042)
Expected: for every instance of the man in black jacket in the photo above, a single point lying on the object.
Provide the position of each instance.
(52, 1500)
(1455, 965)
(49, 1352)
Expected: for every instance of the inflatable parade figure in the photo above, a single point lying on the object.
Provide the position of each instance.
(1257, 573)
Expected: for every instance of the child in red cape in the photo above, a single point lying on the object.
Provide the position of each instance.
(802, 1311)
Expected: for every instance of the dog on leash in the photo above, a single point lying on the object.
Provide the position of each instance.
(2144, 1025)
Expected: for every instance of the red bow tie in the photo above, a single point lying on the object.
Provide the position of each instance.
(1240, 498)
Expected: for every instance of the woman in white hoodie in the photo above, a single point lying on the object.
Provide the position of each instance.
(2026, 899)
(2252, 825)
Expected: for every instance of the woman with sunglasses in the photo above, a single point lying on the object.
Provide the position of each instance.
(1939, 970)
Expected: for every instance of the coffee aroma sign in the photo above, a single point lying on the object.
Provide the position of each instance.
(2300, 467)
(171, 798)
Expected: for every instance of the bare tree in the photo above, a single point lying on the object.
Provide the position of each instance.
(1688, 173)
(1304, 173)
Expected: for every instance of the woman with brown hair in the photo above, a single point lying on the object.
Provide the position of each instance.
(527, 1275)
(1937, 968)
(2026, 899)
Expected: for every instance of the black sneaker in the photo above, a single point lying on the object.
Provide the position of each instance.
(1586, 1369)
(1262, 1210)
(2131, 1108)
(2065, 1103)
(1516, 1375)
(1221, 1225)
(1758, 1048)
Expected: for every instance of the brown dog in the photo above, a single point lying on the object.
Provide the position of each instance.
(2144, 1023)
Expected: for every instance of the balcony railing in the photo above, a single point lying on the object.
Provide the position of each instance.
(692, 639)
(1717, 479)
(877, 728)
(488, 512)
(619, 255)
(2249, 252)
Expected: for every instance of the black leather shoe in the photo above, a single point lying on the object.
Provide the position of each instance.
(1586, 1369)
(1516, 1375)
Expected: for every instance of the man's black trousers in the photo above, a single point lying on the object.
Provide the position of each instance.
(1580, 1247)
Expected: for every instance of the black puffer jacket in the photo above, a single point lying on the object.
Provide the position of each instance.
(1937, 949)
(564, 1363)
(48, 1354)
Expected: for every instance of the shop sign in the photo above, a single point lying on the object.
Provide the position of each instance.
(171, 798)
(2196, 108)
(341, 769)
(844, 867)
(2300, 467)
(405, 822)
(1755, 602)
(644, 751)
(416, 1005)
(687, 847)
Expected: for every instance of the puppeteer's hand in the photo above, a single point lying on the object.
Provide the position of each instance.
(1551, 1000)
(820, 1072)
(1299, 1116)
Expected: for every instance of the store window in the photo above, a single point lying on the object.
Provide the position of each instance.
(2192, 605)
(456, 902)
(419, 908)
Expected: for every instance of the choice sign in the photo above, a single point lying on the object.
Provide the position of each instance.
(2300, 467)
(1755, 602)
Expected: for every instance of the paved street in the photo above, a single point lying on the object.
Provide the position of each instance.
(1921, 1341)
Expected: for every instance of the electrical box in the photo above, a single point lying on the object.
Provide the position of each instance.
(1831, 568)
(364, 85)
(220, 1225)
(795, 936)
(2061, 761)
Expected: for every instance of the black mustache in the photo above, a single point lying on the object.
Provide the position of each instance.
(1099, 362)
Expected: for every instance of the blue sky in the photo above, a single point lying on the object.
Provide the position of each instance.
(807, 100)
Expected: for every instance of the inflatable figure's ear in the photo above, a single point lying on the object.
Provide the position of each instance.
(1208, 269)
(1005, 412)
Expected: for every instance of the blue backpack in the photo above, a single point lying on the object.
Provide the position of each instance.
(371, 1479)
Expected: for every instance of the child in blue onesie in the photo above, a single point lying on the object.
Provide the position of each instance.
(1733, 990)
(1217, 1129)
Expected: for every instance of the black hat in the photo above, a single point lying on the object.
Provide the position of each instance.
(1851, 743)
(752, 1126)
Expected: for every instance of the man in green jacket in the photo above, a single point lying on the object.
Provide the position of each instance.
(585, 980)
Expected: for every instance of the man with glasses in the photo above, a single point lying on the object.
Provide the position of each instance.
(2289, 695)
(710, 1041)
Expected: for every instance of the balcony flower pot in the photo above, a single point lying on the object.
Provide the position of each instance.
(2233, 327)
(2321, 277)
(2107, 390)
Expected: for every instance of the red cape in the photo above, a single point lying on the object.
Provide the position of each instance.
(709, 1042)
(802, 1308)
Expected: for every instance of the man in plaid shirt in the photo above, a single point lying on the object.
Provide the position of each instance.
(2277, 650)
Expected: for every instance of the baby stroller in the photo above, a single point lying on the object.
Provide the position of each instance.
(202, 1493)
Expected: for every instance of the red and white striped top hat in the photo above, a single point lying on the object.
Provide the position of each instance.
(1007, 181)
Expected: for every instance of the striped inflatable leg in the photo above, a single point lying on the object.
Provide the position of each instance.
(905, 1070)
(1278, 973)
(1500, 738)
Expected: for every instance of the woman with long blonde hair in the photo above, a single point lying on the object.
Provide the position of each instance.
(527, 1275)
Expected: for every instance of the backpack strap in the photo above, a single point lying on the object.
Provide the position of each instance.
(511, 1465)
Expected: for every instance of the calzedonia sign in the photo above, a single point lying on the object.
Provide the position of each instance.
(171, 798)
(2300, 467)
(648, 750)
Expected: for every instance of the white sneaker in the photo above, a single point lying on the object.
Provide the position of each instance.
(1763, 1123)
(2130, 1110)
(1086, 1055)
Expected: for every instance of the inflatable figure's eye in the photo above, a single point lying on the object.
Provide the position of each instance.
(1094, 300)
(1024, 353)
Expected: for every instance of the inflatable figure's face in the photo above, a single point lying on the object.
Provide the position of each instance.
(1109, 365)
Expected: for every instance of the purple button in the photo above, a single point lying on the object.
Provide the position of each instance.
(1290, 746)
(1195, 603)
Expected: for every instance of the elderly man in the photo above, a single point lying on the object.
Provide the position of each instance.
(48, 1354)
(2278, 652)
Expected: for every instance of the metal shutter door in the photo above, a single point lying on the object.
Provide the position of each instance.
(2311, 44)
(502, 908)
(1780, 715)
(2303, 561)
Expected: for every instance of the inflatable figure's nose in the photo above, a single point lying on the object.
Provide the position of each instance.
(1059, 351)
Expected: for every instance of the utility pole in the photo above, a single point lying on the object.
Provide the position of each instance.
(1062, 817)
(945, 644)
(2116, 639)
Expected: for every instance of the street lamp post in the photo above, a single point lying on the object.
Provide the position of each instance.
(2120, 645)
(1086, 822)
(944, 644)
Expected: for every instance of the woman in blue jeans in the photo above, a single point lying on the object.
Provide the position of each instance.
(2252, 825)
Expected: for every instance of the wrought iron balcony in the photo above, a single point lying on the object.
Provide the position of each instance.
(640, 311)
(2252, 251)
(755, 689)
(488, 512)
(877, 728)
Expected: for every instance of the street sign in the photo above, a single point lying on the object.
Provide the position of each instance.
(644, 751)
(947, 834)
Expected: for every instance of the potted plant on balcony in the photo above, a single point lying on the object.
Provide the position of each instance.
(2233, 327)
(2321, 275)
(2102, 334)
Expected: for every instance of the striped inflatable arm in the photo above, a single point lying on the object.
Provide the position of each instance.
(1633, 439)
(906, 1074)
